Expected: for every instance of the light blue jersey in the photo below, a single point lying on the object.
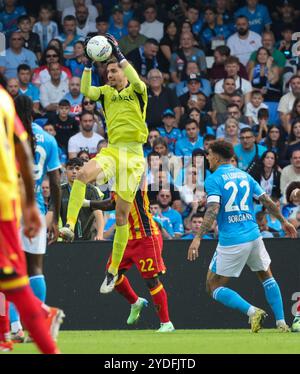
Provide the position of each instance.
(258, 18)
(234, 190)
(46, 160)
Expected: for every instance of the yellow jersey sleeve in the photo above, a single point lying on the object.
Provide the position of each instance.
(86, 88)
(137, 84)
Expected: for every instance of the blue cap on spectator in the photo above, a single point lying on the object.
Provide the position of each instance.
(168, 113)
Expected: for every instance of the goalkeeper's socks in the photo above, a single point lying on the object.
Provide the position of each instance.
(33, 314)
(77, 196)
(4, 322)
(38, 286)
(273, 296)
(124, 288)
(160, 301)
(231, 299)
(119, 245)
(14, 319)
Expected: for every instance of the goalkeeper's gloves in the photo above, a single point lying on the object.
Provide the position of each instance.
(116, 51)
(89, 61)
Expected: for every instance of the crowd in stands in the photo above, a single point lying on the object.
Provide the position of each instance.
(218, 69)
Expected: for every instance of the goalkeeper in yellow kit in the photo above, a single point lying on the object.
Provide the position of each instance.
(124, 102)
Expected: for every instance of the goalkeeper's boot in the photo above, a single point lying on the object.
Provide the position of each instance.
(166, 327)
(18, 337)
(257, 319)
(296, 324)
(136, 311)
(54, 320)
(66, 233)
(109, 283)
(283, 327)
(6, 346)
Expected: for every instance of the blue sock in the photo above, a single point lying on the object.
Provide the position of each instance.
(231, 299)
(273, 296)
(38, 286)
(14, 318)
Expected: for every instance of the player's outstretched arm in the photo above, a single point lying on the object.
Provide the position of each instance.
(129, 71)
(54, 178)
(268, 203)
(104, 205)
(209, 218)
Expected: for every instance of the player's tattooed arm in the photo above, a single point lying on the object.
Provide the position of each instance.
(209, 218)
(269, 204)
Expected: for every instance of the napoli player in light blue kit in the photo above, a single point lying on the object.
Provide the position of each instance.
(230, 192)
(46, 161)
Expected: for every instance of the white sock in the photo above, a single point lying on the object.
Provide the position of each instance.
(280, 322)
(16, 326)
(137, 302)
(251, 311)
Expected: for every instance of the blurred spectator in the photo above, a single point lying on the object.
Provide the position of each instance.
(243, 86)
(291, 209)
(84, 24)
(59, 46)
(261, 220)
(148, 147)
(186, 145)
(255, 104)
(117, 27)
(86, 139)
(267, 173)
(159, 99)
(102, 26)
(168, 44)
(261, 129)
(221, 101)
(193, 88)
(217, 71)
(273, 223)
(27, 88)
(203, 120)
(15, 56)
(285, 45)
(257, 14)
(164, 198)
(71, 10)
(169, 130)
(193, 68)
(153, 167)
(84, 229)
(128, 10)
(244, 41)
(134, 39)
(233, 111)
(50, 129)
(224, 13)
(65, 125)
(163, 222)
(192, 14)
(213, 33)
(287, 15)
(265, 75)
(41, 75)
(152, 28)
(144, 58)
(287, 101)
(101, 144)
(268, 42)
(69, 36)
(77, 64)
(13, 87)
(231, 131)
(54, 90)
(45, 28)
(196, 222)
(31, 39)
(46, 193)
(9, 16)
(84, 156)
(248, 152)
(187, 52)
(274, 141)
(294, 139)
(91, 106)
(290, 173)
(74, 96)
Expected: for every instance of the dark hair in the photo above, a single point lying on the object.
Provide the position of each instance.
(83, 152)
(211, 8)
(246, 129)
(64, 102)
(23, 18)
(294, 113)
(69, 18)
(113, 60)
(84, 113)
(264, 155)
(223, 50)
(209, 137)
(241, 16)
(85, 97)
(290, 188)
(24, 109)
(223, 149)
(51, 48)
(76, 161)
(23, 67)
(202, 124)
(259, 216)
(198, 215)
(232, 105)
(292, 136)
(46, 6)
(263, 113)
(151, 41)
(260, 49)
(281, 141)
(101, 19)
(189, 121)
(232, 60)
(160, 141)
(256, 92)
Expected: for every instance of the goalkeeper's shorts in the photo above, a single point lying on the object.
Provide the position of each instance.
(125, 166)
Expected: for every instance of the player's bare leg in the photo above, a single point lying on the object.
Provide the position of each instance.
(215, 287)
(273, 296)
(119, 245)
(88, 173)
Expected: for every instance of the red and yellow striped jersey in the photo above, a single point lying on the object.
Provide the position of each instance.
(140, 220)
(10, 127)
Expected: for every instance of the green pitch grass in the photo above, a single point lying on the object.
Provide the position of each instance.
(179, 341)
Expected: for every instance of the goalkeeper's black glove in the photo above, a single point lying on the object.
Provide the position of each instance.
(116, 51)
(89, 62)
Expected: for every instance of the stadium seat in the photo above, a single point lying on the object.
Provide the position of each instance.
(273, 112)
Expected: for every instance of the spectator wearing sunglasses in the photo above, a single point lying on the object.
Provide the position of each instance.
(91, 106)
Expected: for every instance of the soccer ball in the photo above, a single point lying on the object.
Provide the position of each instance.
(98, 48)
